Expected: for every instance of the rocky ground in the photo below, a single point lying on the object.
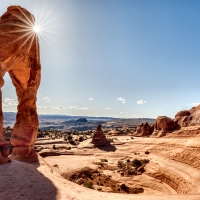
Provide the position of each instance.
(160, 168)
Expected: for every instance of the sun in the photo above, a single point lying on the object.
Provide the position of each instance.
(36, 29)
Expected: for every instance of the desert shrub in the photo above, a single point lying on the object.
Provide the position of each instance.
(120, 164)
(70, 137)
(89, 185)
(89, 175)
(136, 163)
(104, 160)
(128, 161)
(147, 152)
(54, 146)
(72, 142)
(81, 139)
(124, 187)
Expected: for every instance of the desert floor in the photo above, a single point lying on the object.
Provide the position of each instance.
(173, 171)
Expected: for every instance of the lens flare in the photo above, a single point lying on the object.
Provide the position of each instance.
(36, 29)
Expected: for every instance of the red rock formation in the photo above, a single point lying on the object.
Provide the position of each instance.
(4, 153)
(163, 125)
(99, 138)
(188, 117)
(19, 56)
(144, 129)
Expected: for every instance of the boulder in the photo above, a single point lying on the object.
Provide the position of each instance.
(20, 57)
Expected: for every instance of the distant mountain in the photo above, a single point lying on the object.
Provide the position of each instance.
(79, 123)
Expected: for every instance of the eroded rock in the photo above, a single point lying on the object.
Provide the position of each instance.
(99, 138)
(4, 153)
(163, 125)
(188, 117)
(144, 129)
(20, 57)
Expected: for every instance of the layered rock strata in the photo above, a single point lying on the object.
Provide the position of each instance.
(20, 57)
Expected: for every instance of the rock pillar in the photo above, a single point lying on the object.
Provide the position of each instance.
(20, 57)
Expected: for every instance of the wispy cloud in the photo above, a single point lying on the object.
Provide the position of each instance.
(9, 102)
(193, 104)
(108, 108)
(91, 99)
(77, 108)
(122, 100)
(47, 99)
(58, 107)
(47, 107)
(141, 102)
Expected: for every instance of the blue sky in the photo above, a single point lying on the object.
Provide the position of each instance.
(118, 58)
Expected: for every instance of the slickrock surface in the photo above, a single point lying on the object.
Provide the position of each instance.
(169, 174)
(19, 56)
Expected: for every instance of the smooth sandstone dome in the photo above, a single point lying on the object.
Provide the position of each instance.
(20, 57)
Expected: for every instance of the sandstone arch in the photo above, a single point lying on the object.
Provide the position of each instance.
(20, 57)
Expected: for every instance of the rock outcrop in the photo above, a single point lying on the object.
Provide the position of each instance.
(188, 117)
(163, 125)
(144, 129)
(20, 57)
(4, 153)
(99, 138)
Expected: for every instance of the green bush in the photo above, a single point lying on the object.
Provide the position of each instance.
(81, 139)
(120, 164)
(136, 163)
(89, 185)
(72, 142)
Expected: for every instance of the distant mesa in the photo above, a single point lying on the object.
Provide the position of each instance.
(99, 138)
(83, 120)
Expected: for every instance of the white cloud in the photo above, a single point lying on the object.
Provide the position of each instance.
(73, 107)
(58, 107)
(121, 100)
(47, 99)
(141, 102)
(40, 106)
(108, 108)
(121, 112)
(91, 99)
(9, 102)
(84, 108)
(193, 104)
(76, 108)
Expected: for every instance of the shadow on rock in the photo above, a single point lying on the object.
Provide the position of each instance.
(108, 147)
(22, 180)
